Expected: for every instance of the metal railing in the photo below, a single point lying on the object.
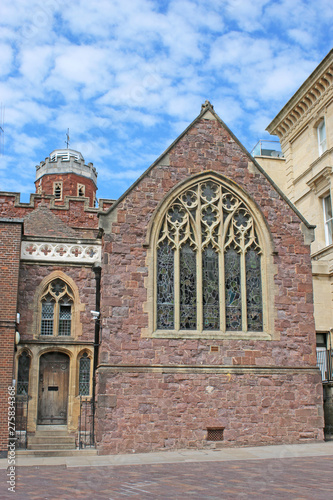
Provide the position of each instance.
(86, 423)
(325, 363)
(21, 420)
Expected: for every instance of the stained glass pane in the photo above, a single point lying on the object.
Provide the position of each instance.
(253, 291)
(188, 288)
(84, 375)
(210, 289)
(23, 374)
(65, 318)
(47, 318)
(233, 304)
(165, 286)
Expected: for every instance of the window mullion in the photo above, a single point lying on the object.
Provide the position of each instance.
(221, 238)
(243, 292)
(56, 319)
(177, 289)
(199, 266)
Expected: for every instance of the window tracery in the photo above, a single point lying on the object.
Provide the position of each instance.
(56, 314)
(208, 263)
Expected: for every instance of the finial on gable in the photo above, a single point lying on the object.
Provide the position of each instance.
(206, 105)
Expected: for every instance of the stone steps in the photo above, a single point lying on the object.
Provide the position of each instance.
(56, 453)
(51, 438)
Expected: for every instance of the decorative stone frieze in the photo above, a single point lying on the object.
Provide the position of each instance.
(64, 252)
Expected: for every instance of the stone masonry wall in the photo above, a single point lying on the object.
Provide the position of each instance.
(206, 146)
(156, 411)
(31, 275)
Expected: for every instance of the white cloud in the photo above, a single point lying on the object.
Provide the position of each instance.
(6, 59)
(127, 77)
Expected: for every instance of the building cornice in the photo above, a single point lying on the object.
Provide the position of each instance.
(312, 93)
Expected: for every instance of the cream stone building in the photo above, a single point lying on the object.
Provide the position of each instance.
(304, 172)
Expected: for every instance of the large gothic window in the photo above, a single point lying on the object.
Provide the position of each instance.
(208, 272)
(56, 309)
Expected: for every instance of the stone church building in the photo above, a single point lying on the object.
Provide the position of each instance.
(182, 312)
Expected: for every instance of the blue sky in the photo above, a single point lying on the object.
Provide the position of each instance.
(127, 76)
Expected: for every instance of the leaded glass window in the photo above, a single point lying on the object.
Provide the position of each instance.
(165, 286)
(56, 309)
(23, 374)
(208, 271)
(47, 317)
(210, 289)
(84, 375)
(65, 317)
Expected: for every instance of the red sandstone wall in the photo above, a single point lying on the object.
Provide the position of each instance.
(10, 242)
(31, 275)
(292, 399)
(157, 411)
(70, 182)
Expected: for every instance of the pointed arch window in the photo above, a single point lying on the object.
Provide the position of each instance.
(56, 309)
(209, 269)
(84, 375)
(23, 374)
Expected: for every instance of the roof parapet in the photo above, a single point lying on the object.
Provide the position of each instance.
(64, 161)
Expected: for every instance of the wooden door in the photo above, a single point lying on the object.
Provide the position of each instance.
(53, 388)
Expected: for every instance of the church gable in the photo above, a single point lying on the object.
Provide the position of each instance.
(204, 302)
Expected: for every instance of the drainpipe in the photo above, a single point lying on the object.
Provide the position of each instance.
(97, 271)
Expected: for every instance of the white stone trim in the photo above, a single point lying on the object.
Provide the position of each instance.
(64, 252)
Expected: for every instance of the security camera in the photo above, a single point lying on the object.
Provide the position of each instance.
(95, 314)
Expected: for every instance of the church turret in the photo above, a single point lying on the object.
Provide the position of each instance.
(64, 173)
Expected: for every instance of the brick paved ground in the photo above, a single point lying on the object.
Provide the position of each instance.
(287, 478)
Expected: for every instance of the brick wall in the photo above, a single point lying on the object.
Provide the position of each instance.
(10, 241)
(70, 183)
(73, 212)
(206, 146)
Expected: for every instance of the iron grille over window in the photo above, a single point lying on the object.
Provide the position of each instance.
(215, 434)
(23, 374)
(57, 302)
(84, 375)
(208, 263)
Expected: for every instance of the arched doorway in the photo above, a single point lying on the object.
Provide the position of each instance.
(53, 388)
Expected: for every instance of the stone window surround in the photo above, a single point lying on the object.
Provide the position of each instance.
(321, 185)
(268, 268)
(56, 309)
(77, 307)
(90, 357)
(58, 185)
(81, 188)
(322, 143)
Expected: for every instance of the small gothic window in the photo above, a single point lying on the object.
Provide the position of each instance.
(84, 375)
(56, 315)
(81, 190)
(23, 374)
(57, 190)
(208, 263)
